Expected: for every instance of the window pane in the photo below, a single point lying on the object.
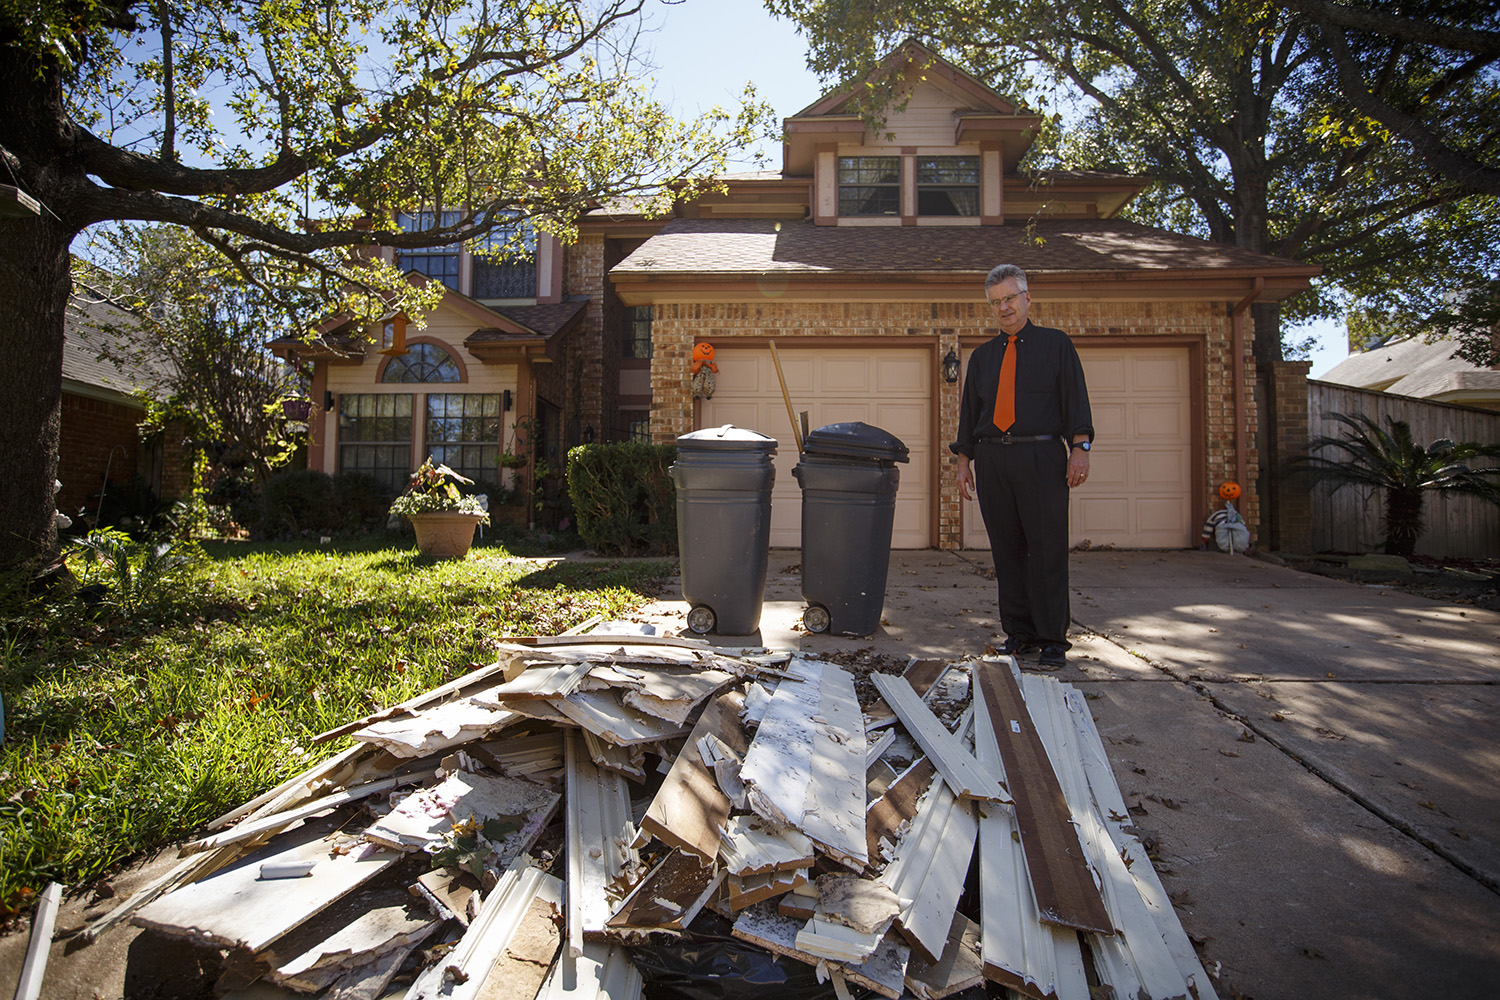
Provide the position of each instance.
(869, 185)
(375, 437)
(948, 185)
(463, 432)
(635, 340)
(422, 363)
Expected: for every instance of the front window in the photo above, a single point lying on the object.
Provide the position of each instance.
(636, 335)
(438, 263)
(463, 433)
(375, 437)
(504, 262)
(869, 185)
(422, 363)
(947, 185)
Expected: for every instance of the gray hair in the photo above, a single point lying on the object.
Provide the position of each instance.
(1002, 271)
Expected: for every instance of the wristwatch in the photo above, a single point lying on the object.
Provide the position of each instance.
(1085, 445)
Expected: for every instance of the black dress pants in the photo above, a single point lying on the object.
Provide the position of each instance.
(1023, 497)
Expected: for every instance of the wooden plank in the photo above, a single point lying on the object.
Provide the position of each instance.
(931, 863)
(360, 929)
(1137, 960)
(435, 729)
(602, 972)
(602, 864)
(750, 847)
(235, 907)
(953, 761)
(673, 694)
(1019, 951)
(447, 893)
(601, 713)
(884, 972)
(670, 896)
(1066, 895)
(629, 761)
(805, 767)
(532, 950)
(959, 968)
(689, 811)
(747, 890)
(547, 680)
(921, 675)
(506, 667)
(850, 919)
(888, 816)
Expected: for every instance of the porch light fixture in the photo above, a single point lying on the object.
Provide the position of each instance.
(950, 367)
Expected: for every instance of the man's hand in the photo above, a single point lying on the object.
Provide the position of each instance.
(1078, 467)
(965, 478)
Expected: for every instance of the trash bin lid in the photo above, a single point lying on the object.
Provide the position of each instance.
(855, 440)
(727, 438)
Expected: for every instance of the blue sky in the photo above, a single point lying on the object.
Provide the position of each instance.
(706, 50)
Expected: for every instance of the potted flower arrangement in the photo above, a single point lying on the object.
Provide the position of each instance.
(443, 517)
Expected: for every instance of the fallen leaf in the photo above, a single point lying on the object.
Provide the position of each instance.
(1314, 953)
(1461, 835)
(1427, 804)
(1246, 737)
(1278, 717)
(1227, 753)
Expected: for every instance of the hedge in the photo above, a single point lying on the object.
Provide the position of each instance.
(623, 497)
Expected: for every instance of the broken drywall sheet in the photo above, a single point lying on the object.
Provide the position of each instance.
(749, 847)
(516, 811)
(437, 728)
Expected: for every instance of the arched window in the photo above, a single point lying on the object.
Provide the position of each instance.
(422, 363)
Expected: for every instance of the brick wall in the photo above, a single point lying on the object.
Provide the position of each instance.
(585, 276)
(92, 430)
(676, 327)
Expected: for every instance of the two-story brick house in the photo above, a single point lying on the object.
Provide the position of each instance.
(863, 259)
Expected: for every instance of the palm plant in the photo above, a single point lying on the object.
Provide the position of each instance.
(1367, 454)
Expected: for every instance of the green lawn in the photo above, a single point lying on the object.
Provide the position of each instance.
(132, 720)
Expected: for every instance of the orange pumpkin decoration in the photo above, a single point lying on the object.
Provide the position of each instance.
(703, 354)
(1229, 491)
(704, 369)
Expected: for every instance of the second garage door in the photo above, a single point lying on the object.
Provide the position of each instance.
(1139, 491)
(888, 388)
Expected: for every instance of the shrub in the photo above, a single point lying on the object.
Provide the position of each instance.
(362, 502)
(298, 500)
(623, 497)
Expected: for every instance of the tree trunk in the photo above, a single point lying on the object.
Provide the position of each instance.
(1403, 521)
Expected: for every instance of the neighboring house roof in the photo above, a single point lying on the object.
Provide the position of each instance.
(1417, 367)
(704, 249)
(91, 328)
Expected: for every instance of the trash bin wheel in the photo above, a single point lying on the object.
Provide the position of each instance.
(701, 619)
(816, 619)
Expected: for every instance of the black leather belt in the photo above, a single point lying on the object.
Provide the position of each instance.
(1015, 438)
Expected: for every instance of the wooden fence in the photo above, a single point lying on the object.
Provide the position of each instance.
(1348, 519)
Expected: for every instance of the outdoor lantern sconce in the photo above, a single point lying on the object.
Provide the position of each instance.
(950, 367)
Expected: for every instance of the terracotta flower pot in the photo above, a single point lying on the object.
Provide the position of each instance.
(444, 534)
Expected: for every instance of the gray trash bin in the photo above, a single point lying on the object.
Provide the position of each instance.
(723, 477)
(849, 479)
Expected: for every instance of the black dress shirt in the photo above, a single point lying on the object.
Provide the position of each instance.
(1051, 396)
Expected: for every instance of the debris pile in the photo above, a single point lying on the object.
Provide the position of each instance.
(531, 828)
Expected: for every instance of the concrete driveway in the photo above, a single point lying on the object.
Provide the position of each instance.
(1315, 760)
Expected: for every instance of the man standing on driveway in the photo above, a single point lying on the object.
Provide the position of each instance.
(1024, 432)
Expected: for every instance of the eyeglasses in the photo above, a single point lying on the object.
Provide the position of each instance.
(1006, 299)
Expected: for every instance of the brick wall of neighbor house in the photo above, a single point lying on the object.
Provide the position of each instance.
(676, 327)
(1292, 517)
(585, 276)
(91, 431)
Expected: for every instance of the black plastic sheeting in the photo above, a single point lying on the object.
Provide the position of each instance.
(706, 963)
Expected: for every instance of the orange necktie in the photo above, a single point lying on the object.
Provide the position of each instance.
(1005, 392)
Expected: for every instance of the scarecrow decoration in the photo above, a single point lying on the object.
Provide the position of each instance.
(704, 369)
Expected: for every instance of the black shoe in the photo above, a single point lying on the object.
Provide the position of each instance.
(1053, 657)
(1015, 647)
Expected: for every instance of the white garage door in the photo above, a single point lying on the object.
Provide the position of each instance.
(889, 388)
(1139, 491)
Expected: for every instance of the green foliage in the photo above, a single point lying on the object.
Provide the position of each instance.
(1368, 455)
(138, 576)
(1234, 110)
(361, 501)
(624, 498)
(436, 488)
(296, 501)
(127, 731)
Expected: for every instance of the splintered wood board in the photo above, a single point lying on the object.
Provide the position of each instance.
(931, 863)
(538, 757)
(533, 948)
(436, 728)
(884, 972)
(602, 864)
(957, 969)
(602, 972)
(887, 817)
(921, 675)
(748, 848)
(629, 761)
(601, 713)
(235, 907)
(1060, 877)
(741, 892)
(547, 680)
(806, 765)
(670, 896)
(689, 811)
(1019, 951)
(424, 816)
(953, 761)
(1138, 959)
(672, 694)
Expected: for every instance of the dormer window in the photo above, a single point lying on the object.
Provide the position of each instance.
(947, 185)
(438, 263)
(869, 185)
